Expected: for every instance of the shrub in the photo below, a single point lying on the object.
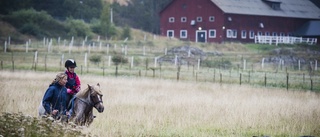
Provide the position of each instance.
(119, 59)
(126, 33)
(37, 23)
(31, 29)
(226, 64)
(78, 28)
(96, 59)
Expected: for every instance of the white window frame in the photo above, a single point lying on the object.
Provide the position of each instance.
(215, 33)
(251, 34)
(267, 33)
(229, 33)
(211, 18)
(259, 33)
(234, 33)
(199, 19)
(186, 32)
(183, 19)
(282, 34)
(274, 34)
(243, 34)
(171, 19)
(170, 31)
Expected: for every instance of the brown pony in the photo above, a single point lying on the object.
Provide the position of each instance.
(83, 103)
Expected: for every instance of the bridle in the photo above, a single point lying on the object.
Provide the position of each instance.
(91, 103)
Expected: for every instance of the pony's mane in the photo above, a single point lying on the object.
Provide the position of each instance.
(84, 93)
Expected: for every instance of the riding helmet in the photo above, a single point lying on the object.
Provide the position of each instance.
(70, 63)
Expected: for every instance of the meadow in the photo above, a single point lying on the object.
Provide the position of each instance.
(142, 106)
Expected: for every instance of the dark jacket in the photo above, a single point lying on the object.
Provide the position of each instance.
(73, 82)
(55, 98)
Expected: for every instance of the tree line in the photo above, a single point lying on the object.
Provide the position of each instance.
(140, 14)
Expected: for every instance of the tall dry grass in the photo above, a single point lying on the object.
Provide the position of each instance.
(157, 107)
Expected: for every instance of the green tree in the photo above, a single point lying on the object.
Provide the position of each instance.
(106, 27)
(78, 28)
(126, 33)
(37, 23)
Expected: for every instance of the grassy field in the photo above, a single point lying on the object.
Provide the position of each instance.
(157, 107)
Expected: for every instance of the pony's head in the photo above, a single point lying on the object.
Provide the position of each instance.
(96, 97)
(93, 94)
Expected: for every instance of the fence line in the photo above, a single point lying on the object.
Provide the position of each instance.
(283, 40)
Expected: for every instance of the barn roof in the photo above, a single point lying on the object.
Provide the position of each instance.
(288, 8)
(311, 28)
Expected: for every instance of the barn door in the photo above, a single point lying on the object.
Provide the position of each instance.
(201, 36)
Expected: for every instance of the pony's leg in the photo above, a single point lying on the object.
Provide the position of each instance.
(77, 112)
(90, 118)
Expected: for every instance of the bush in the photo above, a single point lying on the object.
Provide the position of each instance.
(96, 59)
(31, 29)
(78, 28)
(30, 21)
(226, 64)
(20, 125)
(126, 33)
(119, 59)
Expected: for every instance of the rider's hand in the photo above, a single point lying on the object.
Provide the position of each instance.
(69, 91)
(78, 89)
(54, 112)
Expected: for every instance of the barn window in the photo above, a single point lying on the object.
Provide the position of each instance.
(243, 34)
(251, 34)
(267, 34)
(183, 33)
(171, 19)
(274, 4)
(281, 34)
(231, 33)
(211, 18)
(183, 19)
(234, 33)
(259, 33)
(199, 19)
(212, 33)
(170, 33)
(274, 34)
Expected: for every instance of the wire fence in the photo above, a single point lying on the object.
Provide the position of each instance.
(235, 68)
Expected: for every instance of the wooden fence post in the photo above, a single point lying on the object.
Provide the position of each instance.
(196, 76)
(287, 81)
(265, 79)
(13, 65)
(249, 77)
(81, 69)
(220, 78)
(178, 73)
(139, 73)
(240, 78)
(311, 83)
(45, 63)
(214, 75)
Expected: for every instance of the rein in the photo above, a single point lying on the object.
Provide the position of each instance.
(89, 102)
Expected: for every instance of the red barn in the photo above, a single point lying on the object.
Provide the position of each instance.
(236, 20)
